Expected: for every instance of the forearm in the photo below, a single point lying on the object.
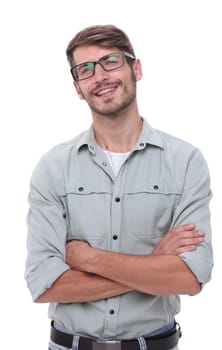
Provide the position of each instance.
(76, 286)
(157, 275)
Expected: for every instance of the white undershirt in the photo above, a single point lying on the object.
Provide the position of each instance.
(116, 160)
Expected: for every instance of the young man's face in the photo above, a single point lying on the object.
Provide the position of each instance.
(107, 92)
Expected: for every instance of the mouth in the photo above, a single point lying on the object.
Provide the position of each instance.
(106, 91)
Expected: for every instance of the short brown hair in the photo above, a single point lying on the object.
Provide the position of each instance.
(102, 35)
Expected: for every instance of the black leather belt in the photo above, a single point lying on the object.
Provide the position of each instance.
(163, 341)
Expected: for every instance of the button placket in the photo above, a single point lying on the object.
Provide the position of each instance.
(112, 311)
(111, 317)
(116, 214)
(116, 221)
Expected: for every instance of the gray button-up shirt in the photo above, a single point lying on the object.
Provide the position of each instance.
(74, 195)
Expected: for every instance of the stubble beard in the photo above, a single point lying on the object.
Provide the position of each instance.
(110, 108)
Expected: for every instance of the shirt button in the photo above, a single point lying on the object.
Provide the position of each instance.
(155, 187)
(141, 144)
(80, 189)
(104, 164)
(112, 312)
(117, 199)
(92, 147)
(115, 237)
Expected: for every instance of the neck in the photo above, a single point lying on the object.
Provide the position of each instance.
(118, 133)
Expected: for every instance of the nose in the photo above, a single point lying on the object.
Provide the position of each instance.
(100, 73)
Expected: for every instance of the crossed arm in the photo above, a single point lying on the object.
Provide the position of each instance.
(98, 274)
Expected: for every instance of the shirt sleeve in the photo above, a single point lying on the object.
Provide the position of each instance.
(47, 230)
(193, 207)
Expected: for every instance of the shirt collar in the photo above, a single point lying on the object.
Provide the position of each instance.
(87, 139)
(148, 136)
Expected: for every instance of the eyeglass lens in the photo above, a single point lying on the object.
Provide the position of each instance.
(108, 62)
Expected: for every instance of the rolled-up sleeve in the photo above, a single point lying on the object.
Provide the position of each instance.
(47, 229)
(193, 207)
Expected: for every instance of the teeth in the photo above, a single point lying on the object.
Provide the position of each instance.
(105, 91)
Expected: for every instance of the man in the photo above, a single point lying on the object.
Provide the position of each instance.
(119, 222)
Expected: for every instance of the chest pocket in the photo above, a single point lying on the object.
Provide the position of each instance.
(87, 211)
(151, 208)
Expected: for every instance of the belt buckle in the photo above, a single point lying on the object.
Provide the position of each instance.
(106, 344)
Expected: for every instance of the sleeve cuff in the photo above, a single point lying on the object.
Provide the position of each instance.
(199, 263)
(45, 275)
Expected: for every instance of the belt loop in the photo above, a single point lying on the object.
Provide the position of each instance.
(142, 343)
(75, 343)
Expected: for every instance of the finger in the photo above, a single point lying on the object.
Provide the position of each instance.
(186, 227)
(190, 241)
(184, 239)
(189, 234)
(189, 248)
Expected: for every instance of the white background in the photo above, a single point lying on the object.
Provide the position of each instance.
(179, 44)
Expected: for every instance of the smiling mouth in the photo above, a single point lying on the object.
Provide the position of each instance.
(106, 90)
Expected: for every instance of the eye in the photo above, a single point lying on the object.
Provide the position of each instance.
(111, 60)
(85, 68)
(90, 65)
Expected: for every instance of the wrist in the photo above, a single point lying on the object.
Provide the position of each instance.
(91, 260)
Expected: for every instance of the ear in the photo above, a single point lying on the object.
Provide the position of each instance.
(78, 90)
(138, 69)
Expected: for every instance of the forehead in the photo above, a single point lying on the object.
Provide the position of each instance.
(91, 53)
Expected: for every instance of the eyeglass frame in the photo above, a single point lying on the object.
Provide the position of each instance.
(122, 53)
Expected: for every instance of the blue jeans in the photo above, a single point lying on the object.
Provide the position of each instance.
(53, 346)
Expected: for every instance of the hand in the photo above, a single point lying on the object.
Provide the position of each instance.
(77, 253)
(179, 240)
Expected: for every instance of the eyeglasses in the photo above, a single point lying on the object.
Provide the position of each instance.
(108, 62)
